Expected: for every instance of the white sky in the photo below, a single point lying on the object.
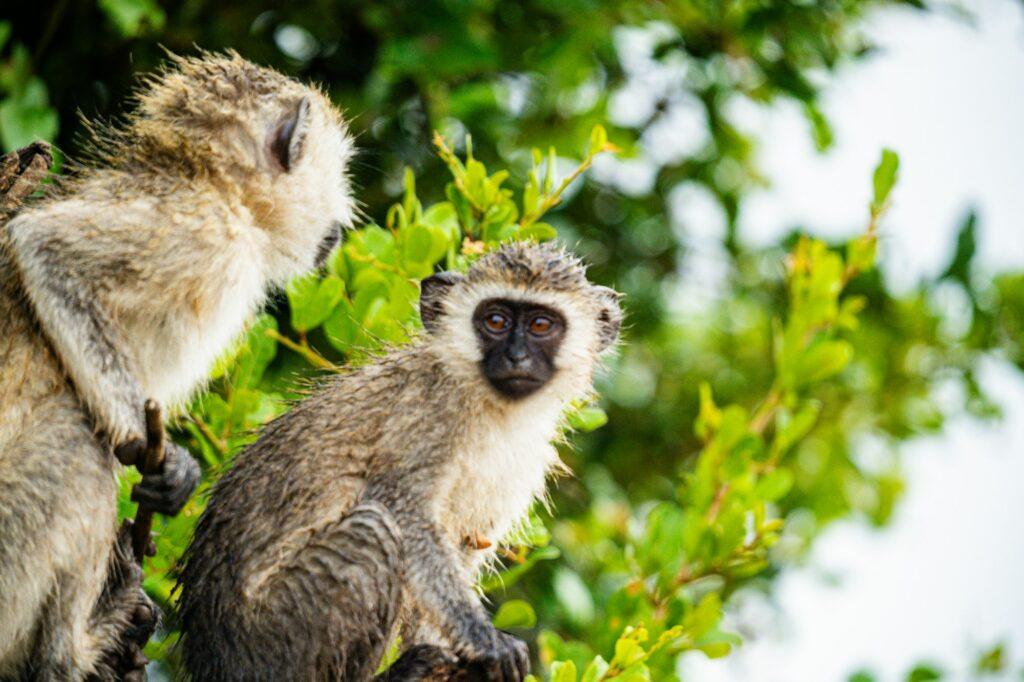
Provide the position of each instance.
(949, 98)
(946, 579)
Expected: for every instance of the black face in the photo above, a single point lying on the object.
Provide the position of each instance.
(329, 242)
(519, 342)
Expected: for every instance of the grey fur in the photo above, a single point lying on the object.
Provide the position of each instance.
(359, 501)
(126, 283)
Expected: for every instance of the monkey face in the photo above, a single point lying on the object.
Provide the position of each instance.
(309, 191)
(519, 341)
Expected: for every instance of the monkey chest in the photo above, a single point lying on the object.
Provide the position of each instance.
(489, 491)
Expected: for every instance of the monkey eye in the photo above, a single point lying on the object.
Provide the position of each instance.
(541, 325)
(497, 323)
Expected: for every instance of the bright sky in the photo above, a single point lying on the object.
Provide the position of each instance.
(942, 582)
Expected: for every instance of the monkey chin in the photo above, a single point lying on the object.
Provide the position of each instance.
(517, 386)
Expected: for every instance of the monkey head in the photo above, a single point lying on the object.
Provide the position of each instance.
(525, 319)
(276, 146)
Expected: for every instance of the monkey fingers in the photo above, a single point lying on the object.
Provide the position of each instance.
(144, 615)
(138, 617)
(143, 624)
(507, 661)
(132, 666)
(167, 491)
(421, 663)
(517, 666)
(130, 452)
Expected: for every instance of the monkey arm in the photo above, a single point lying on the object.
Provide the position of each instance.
(433, 569)
(437, 581)
(83, 336)
(61, 286)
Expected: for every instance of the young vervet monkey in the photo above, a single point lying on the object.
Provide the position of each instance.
(365, 506)
(125, 284)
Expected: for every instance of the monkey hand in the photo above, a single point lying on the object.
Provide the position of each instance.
(505, 659)
(131, 666)
(421, 663)
(167, 490)
(140, 614)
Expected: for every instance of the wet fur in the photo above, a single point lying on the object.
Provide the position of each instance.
(301, 555)
(125, 283)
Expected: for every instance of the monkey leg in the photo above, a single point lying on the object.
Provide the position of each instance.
(327, 613)
(57, 523)
(135, 614)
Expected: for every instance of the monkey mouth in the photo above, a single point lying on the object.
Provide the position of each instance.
(516, 384)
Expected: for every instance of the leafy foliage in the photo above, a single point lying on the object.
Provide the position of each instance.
(731, 425)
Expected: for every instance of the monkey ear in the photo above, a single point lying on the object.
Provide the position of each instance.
(609, 317)
(433, 291)
(287, 141)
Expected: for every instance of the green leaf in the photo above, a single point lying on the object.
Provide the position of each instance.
(370, 299)
(535, 532)
(26, 116)
(337, 264)
(444, 217)
(515, 613)
(861, 252)
(391, 655)
(796, 427)
(598, 139)
(820, 128)
(341, 327)
(715, 649)
(704, 616)
(588, 419)
(563, 671)
(312, 300)
(709, 416)
(595, 670)
(924, 673)
(884, 178)
(531, 194)
(732, 427)
(549, 172)
(133, 17)
(417, 247)
(991, 661)
(635, 673)
(537, 232)
(966, 245)
(378, 243)
(774, 485)
(628, 648)
(823, 360)
(256, 353)
(574, 596)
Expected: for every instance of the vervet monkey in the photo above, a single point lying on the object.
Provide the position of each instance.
(126, 283)
(373, 504)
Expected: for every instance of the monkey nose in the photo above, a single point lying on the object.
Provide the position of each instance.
(517, 352)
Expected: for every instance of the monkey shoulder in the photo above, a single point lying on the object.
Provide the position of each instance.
(28, 368)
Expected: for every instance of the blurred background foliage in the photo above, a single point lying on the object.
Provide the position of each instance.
(686, 494)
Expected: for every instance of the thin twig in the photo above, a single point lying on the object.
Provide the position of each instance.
(305, 351)
(219, 445)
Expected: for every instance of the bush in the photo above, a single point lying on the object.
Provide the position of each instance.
(723, 442)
